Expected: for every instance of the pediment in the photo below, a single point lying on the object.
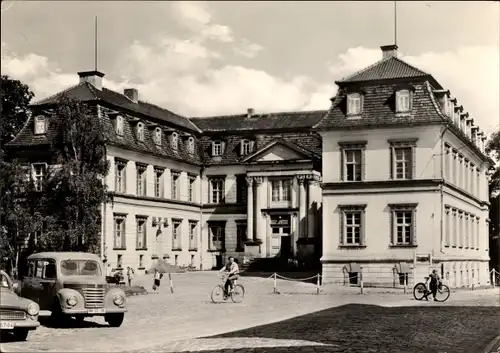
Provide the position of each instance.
(277, 151)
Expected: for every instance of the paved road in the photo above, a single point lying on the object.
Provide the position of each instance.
(170, 322)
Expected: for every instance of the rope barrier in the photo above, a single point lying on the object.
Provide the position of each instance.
(296, 279)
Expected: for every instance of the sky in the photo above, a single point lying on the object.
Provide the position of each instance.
(209, 58)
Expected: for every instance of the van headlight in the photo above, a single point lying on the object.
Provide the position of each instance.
(72, 301)
(118, 300)
(33, 309)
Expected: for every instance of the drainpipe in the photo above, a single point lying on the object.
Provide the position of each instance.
(441, 191)
(201, 217)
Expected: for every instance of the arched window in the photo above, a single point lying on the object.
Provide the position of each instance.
(175, 141)
(354, 104)
(158, 136)
(217, 148)
(119, 125)
(140, 131)
(191, 144)
(403, 100)
(40, 125)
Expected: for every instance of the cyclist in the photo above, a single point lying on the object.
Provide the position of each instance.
(432, 283)
(232, 270)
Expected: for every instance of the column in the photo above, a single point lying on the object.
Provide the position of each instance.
(302, 206)
(312, 208)
(258, 205)
(293, 192)
(250, 218)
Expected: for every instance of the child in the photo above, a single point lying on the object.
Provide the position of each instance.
(156, 283)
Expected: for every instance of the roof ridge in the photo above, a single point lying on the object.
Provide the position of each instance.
(41, 101)
(360, 71)
(263, 115)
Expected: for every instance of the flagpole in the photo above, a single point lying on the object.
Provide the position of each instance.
(95, 44)
(395, 23)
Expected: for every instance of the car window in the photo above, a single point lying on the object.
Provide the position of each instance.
(4, 282)
(80, 268)
(31, 268)
(49, 269)
(39, 268)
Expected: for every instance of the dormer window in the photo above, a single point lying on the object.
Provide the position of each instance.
(190, 145)
(119, 125)
(175, 141)
(217, 149)
(40, 125)
(246, 147)
(140, 131)
(450, 108)
(158, 136)
(403, 101)
(354, 104)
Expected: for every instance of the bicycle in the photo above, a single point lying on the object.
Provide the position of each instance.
(218, 294)
(420, 292)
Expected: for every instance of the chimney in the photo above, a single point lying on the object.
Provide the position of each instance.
(132, 94)
(92, 77)
(389, 51)
(250, 112)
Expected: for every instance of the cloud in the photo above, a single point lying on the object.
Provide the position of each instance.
(248, 50)
(190, 78)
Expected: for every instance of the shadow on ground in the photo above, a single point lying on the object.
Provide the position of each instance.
(70, 323)
(370, 328)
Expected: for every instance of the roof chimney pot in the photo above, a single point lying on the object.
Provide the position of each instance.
(132, 94)
(92, 77)
(389, 51)
(250, 112)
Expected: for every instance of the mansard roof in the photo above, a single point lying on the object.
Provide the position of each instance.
(385, 69)
(84, 91)
(256, 122)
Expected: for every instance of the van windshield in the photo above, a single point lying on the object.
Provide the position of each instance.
(80, 268)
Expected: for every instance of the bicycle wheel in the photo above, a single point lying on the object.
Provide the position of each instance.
(217, 294)
(443, 294)
(238, 293)
(419, 291)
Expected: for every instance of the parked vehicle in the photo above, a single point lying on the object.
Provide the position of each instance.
(72, 284)
(17, 315)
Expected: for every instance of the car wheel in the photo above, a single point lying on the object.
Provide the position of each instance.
(115, 320)
(58, 318)
(21, 334)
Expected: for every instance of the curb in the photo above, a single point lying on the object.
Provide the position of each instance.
(489, 348)
(134, 294)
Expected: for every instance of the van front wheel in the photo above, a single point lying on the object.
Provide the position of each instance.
(115, 320)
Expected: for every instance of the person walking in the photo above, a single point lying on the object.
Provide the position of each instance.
(130, 275)
(156, 279)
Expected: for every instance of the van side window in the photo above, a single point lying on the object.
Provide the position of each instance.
(31, 269)
(49, 269)
(39, 268)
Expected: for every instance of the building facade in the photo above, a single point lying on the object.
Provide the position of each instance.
(405, 188)
(390, 181)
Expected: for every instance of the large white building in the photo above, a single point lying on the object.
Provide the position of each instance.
(391, 177)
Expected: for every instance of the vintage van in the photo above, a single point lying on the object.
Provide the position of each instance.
(72, 284)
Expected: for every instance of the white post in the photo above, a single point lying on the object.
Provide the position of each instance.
(171, 284)
(317, 284)
(361, 278)
(406, 282)
(274, 284)
(493, 278)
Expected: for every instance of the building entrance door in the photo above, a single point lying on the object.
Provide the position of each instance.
(281, 236)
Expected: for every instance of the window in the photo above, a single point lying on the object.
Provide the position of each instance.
(455, 166)
(280, 190)
(176, 234)
(403, 224)
(39, 172)
(403, 278)
(460, 229)
(241, 236)
(447, 162)
(141, 179)
(119, 125)
(447, 226)
(403, 101)
(217, 148)
(119, 261)
(217, 235)
(246, 147)
(354, 104)
(352, 165)
(191, 144)
(141, 233)
(216, 191)
(352, 225)
(192, 179)
(40, 125)
(119, 231)
(466, 174)
(141, 262)
(454, 227)
(193, 242)
(402, 158)
(241, 189)
(158, 136)
(280, 225)
(175, 185)
(175, 141)
(120, 184)
(140, 131)
(471, 177)
(159, 182)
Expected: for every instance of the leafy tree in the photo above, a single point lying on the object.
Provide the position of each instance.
(16, 96)
(493, 149)
(74, 191)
